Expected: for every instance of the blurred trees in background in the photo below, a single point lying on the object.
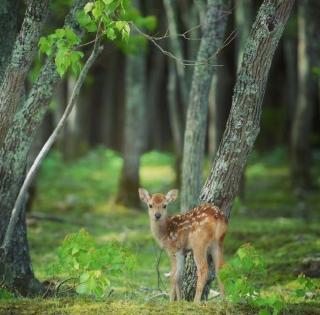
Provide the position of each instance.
(101, 119)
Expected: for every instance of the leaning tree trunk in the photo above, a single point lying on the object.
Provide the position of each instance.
(195, 132)
(243, 124)
(15, 267)
(307, 86)
(134, 129)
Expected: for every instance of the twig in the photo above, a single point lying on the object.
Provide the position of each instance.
(45, 149)
(63, 282)
(157, 295)
(158, 271)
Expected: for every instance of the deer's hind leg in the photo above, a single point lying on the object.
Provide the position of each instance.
(217, 255)
(200, 257)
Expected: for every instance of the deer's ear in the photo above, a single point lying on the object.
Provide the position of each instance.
(144, 195)
(172, 195)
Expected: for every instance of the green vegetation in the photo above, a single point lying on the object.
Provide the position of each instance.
(81, 194)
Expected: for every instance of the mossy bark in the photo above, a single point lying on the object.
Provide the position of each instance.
(243, 123)
(8, 32)
(196, 125)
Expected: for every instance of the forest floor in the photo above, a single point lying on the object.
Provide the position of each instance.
(284, 229)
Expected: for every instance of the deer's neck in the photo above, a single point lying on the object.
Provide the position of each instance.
(159, 229)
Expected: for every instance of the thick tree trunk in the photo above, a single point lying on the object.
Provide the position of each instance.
(196, 126)
(15, 267)
(8, 32)
(12, 87)
(307, 87)
(134, 129)
(243, 124)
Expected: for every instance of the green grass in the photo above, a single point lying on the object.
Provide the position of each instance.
(283, 228)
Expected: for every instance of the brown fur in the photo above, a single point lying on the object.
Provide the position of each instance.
(201, 230)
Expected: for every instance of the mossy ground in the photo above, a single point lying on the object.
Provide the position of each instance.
(284, 228)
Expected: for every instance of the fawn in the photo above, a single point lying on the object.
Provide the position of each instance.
(201, 230)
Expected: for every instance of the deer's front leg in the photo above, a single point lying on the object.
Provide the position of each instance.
(173, 277)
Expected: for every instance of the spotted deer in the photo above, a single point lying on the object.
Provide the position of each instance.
(201, 230)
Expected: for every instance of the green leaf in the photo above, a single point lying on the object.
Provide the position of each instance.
(45, 46)
(111, 34)
(107, 2)
(82, 288)
(71, 36)
(264, 312)
(88, 7)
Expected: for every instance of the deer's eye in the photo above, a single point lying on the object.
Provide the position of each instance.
(150, 206)
(164, 206)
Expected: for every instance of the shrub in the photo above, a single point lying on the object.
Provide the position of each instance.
(90, 264)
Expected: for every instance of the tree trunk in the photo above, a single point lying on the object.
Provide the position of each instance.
(12, 87)
(134, 129)
(15, 267)
(243, 124)
(196, 126)
(307, 87)
(174, 117)
(290, 55)
(243, 19)
(8, 32)
(176, 49)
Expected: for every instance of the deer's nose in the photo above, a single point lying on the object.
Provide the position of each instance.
(158, 215)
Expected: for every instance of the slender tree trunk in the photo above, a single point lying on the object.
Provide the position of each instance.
(307, 87)
(176, 49)
(155, 97)
(243, 124)
(174, 117)
(134, 129)
(290, 55)
(243, 19)
(15, 266)
(196, 126)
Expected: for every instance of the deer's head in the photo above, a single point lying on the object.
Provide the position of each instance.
(157, 203)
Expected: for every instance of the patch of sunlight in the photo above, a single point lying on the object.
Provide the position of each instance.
(154, 173)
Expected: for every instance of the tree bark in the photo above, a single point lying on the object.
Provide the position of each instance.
(15, 267)
(243, 124)
(8, 32)
(308, 15)
(196, 126)
(12, 87)
(134, 129)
